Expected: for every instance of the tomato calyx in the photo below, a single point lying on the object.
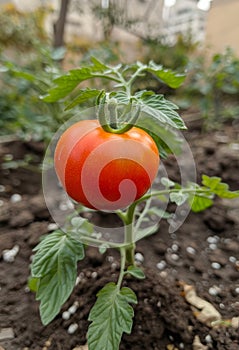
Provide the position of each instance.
(113, 125)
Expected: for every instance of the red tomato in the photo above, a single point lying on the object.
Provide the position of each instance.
(102, 170)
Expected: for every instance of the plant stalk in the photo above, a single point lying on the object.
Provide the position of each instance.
(122, 266)
(129, 247)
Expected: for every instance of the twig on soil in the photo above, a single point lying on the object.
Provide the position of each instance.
(197, 345)
(203, 310)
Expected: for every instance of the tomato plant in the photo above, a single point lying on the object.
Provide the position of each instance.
(95, 160)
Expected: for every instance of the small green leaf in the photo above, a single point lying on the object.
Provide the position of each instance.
(24, 75)
(111, 316)
(135, 272)
(67, 83)
(178, 197)
(83, 96)
(157, 106)
(98, 65)
(55, 266)
(166, 182)
(219, 188)
(199, 203)
(80, 228)
(82, 225)
(167, 76)
(211, 182)
(103, 248)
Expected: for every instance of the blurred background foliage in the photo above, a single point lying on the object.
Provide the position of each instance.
(19, 29)
(213, 88)
(29, 63)
(21, 109)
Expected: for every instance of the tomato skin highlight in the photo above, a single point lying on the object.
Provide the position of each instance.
(102, 170)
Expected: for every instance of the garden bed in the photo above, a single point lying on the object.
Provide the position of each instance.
(203, 253)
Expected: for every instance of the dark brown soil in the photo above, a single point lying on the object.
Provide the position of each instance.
(163, 318)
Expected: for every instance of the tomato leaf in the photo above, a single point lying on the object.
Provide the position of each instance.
(166, 139)
(167, 183)
(83, 96)
(212, 186)
(121, 97)
(160, 108)
(99, 66)
(167, 76)
(219, 188)
(80, 229)
(111, 315)
(24, 75)
(178, 197)
(158, 118)
(55, 265)
(65, 84)
(199, 203)
(135, 272)
(52, 249)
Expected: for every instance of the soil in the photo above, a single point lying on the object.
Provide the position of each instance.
(203, 253)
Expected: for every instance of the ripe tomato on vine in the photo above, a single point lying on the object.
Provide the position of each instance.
(104, 170)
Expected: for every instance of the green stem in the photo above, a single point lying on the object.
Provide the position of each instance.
(129, 83)
(144, 212)
(127, 251)
(125, 128)
(168, 191)
(122, 267)
(129, 245)
(129, 216)
(107, 127)
(104, 76)
(129, 248)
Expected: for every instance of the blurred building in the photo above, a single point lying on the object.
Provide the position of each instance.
(155, 19)
(159, 19)
(185, 18)
(222, 28)
(141, 18)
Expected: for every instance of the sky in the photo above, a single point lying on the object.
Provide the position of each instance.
(202, 4)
